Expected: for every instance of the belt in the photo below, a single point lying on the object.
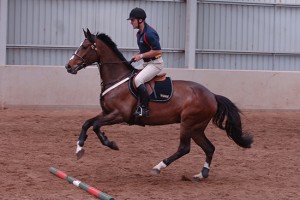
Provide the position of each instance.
(149, 59)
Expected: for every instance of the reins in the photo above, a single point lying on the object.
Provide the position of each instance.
(119, 62)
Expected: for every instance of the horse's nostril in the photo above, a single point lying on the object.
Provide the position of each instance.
(67, 66)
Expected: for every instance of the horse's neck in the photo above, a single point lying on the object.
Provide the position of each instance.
(112, 68)
(113, 72)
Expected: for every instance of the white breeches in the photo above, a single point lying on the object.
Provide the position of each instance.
(150, 70)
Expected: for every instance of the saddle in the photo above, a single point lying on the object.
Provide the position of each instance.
(160, 88)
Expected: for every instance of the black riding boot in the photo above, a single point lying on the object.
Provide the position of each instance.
(142, 110)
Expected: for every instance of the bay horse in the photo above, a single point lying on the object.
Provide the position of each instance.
(192, 105)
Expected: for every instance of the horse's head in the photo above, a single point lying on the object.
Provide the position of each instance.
(85, 55)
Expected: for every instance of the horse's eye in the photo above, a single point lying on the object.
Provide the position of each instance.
(84, 46)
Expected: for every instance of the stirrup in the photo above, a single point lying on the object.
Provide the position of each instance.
(141, 112)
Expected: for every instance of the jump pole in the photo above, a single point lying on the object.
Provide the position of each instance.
(85, 187)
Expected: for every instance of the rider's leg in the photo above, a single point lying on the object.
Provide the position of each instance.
(144, 101)
(150, 70)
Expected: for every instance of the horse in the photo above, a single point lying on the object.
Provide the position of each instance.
(192, 105)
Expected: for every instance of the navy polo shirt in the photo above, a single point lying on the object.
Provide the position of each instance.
(148, 40)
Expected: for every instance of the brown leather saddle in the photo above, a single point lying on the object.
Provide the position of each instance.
(160, 88)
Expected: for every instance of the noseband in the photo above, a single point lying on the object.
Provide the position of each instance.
(83, 64)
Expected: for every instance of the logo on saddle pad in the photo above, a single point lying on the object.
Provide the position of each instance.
(160, 88)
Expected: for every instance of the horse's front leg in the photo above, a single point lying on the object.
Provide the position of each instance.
(83, 136)
(103, 138)
(107, 119)
(97, 122)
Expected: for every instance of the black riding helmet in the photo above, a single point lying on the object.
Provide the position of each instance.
(137, 13)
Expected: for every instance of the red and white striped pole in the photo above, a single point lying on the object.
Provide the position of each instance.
(85, 187)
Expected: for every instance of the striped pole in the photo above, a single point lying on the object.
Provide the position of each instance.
(85, 187)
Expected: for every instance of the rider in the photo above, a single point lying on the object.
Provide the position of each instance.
(150, 52)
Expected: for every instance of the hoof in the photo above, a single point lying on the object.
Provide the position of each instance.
(205, 172)
(114, 146)
(79, 154)
(196, 179)
(199, 177)
(155, 171)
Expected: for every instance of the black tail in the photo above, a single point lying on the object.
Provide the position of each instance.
(233, 126)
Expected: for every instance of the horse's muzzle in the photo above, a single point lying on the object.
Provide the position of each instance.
(71, 70)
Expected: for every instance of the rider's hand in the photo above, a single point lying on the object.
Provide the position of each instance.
(132, 60)
(137, 57)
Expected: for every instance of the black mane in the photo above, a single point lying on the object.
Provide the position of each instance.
(108, 41)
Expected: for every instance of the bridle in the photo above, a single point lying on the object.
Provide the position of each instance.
(84, 64)
(94, 47)
(111, 85)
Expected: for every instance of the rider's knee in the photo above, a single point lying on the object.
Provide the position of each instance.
(138, 81)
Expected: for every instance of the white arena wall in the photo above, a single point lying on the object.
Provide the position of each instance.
(53, 86)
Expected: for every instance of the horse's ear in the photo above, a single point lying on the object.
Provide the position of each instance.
(85, 33)
(88, 31)
(89, 36)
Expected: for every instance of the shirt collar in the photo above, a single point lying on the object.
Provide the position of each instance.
(145, 28)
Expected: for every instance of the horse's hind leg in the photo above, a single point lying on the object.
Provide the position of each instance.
(209, 149)
(183, 149)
